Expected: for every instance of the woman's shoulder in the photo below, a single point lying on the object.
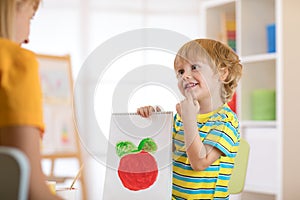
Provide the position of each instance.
(18, 67)
(13, 52)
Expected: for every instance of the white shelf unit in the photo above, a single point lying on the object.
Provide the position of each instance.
(260, 71)
(256, 75)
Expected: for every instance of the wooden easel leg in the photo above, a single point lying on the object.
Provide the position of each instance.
(83, 185)
(52, 167)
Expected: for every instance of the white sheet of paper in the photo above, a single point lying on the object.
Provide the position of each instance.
(131, 127)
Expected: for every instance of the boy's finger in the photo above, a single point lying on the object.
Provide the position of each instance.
(193, 95)
(147, 112)
(188, 95)
(138, 111)
(178, 108)
(141, 112)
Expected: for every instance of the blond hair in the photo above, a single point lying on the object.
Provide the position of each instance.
(7, 13)
(219, 56)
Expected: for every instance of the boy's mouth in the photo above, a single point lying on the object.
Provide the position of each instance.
(190, 85)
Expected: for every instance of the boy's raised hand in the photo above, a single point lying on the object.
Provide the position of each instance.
(146, 111)
(189, 107)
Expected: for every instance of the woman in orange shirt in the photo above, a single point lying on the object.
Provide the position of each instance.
(21, 122)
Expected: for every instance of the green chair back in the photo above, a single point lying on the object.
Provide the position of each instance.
(238, 176)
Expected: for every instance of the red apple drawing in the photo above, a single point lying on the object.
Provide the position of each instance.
(137, 168)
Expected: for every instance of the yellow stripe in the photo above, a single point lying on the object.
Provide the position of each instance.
(235, 149)
(205, 129)
(203, 174)
(219, 194)
(225, 170)
(179, 137)
(192, 185)
(183, 160)
(190, 197)
(227, 159)
(222, 182)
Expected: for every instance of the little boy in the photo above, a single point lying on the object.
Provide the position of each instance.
(206, 131)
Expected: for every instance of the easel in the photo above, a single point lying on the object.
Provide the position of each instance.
(63, 139)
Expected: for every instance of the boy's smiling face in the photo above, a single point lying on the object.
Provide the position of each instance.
(208, 71)
(197, 78)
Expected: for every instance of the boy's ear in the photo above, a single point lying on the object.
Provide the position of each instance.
(223, 74)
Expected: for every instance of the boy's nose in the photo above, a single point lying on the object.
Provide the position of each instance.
(186, 76)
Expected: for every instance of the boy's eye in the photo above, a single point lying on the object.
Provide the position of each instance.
(180, 72)
(194, 67)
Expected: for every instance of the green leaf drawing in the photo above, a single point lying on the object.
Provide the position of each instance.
(148, 145)
(125, 147)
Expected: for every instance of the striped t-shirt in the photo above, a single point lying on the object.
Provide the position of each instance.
(219, 129)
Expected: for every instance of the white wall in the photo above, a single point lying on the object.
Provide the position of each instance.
(77, 27)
